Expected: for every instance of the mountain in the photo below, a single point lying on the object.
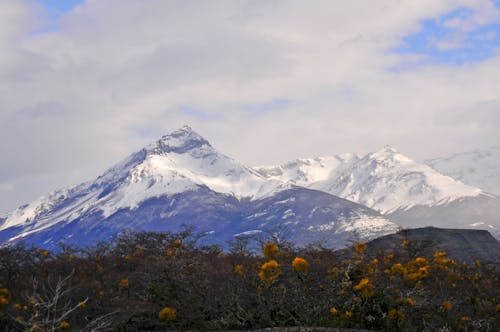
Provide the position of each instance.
(463, 245)
(479, 168)
(385, 180)
(407, 192)
(182, 180)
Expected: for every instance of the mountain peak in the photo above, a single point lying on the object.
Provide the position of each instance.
(388, 153)
(179, 141)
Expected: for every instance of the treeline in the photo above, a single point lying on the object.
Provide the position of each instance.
(161, 281)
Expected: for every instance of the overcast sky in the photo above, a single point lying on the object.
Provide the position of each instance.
(85, 83)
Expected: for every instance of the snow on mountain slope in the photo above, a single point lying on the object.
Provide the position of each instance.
(385, 180)
(178, 162)
(304, 172)
(479, 168)
(301, 215)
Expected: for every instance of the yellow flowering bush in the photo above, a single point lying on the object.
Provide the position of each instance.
(446, 306)
(64, 325)
(269, 271)
(395, 315)
(360, 247)
(167, 313)
(124, 283)
(300, 265)
(270, 250)
(239, 270)
(365, 287)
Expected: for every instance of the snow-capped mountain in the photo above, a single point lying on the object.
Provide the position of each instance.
(479, 168)
(410, 193)
(182, 179)
(385, 180)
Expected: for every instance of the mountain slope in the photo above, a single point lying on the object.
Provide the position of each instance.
(384, 180)
(182, 179)
(479, 168)
(301, 215)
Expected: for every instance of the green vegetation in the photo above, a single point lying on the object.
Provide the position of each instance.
(158, 281)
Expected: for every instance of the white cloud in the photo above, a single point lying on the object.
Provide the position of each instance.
(117, 73)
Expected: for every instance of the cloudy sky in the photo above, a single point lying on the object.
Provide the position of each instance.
(83, 83)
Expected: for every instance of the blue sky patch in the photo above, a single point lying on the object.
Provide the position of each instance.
(54, 9)
(452, 39)
(60, 6)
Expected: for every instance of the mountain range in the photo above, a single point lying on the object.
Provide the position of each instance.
(479, 168)
(182, 181)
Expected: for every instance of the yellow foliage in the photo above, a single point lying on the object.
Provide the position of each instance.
(409, 301)
(124, 283)
(395, 315)
(300, 265)
(64, 325)
(176, 244)
(269, 271)
(334, 310)
(238, 269)
(360, 247)
(365, 287)
(17, 306)
(398, 269)
(270, 250)
(167, 313)
(446, 306)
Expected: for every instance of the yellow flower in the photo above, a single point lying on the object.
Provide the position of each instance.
(360, 247)
(19, 319)
(365, 287)
(465, 318)
(176, 244)
(64, 325)
(300, 265)
(269, 271)
(398, 269)
(45, 253)
(17, 306)
(375, 261)
(421, 261)
(447, 305)
(334, 310)
(270, 250)
(348, 314)
(409, 301)
(404, 243)
(4, 300)
(395, 315)
(239, 270)
(167, 313)
(124, 283)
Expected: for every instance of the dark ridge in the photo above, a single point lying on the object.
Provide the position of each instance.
(463, 245)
